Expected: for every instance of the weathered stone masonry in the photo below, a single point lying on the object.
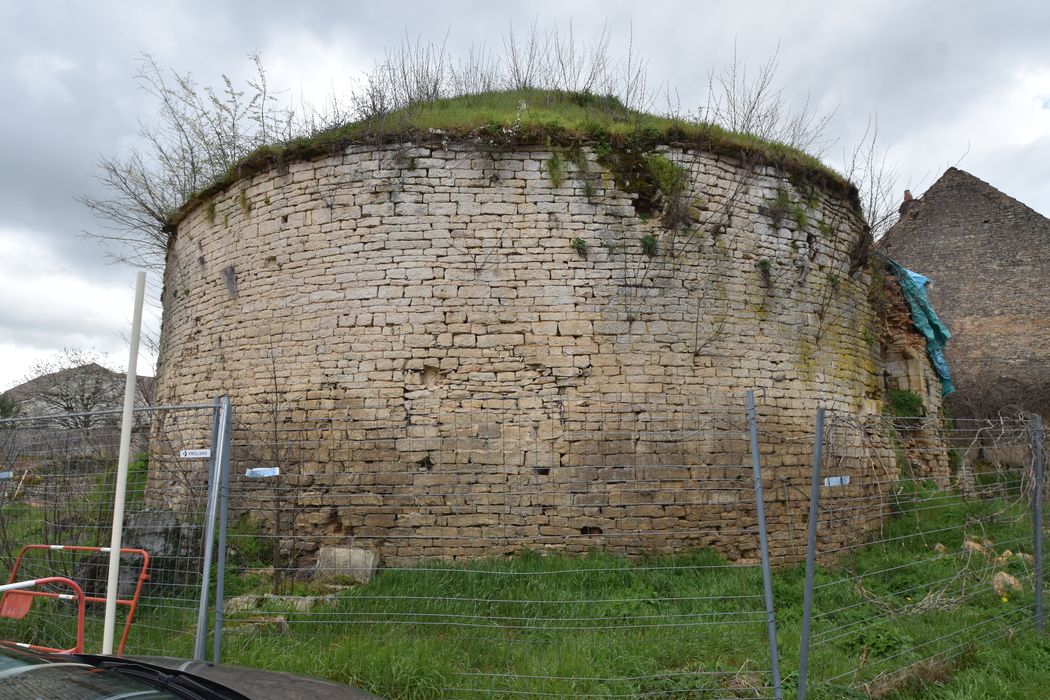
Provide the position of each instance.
(474, 365)
(987, 255)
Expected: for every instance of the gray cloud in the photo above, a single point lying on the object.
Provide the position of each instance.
(945, 79)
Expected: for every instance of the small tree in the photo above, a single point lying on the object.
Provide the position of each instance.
(199, 135)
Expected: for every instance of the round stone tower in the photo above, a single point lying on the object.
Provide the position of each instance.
(476, 336)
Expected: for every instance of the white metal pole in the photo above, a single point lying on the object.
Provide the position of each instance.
(122, 469)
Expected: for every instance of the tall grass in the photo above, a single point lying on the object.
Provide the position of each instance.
(691, 625)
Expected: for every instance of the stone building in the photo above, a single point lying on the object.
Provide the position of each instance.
(988, 256)
(476, 346)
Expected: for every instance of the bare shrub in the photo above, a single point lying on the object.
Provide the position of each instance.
(203, 132)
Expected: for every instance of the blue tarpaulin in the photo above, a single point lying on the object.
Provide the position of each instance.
(913, 287)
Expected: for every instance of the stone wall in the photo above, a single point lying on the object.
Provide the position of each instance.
(484, 352)
(908, 368)
(988, 257)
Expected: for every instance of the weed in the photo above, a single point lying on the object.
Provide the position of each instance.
(905, 404)
(649, 245)
(778, 207)
(579, 245)
(670, 178)
(555, 170)
(578, 158)
(589, 191)
(649, 133)
(558, 118)
(389, 636)
(246, 204)
(765, 271)
(266, 200)
(249, 544)
(798, 214)
(880, 640)
(209, 212)
(825, 228)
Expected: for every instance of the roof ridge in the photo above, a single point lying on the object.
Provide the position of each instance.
(987, 186)
(982, 187)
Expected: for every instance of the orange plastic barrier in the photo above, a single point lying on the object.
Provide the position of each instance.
(16, 602)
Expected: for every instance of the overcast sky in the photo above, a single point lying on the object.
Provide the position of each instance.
(948, 80)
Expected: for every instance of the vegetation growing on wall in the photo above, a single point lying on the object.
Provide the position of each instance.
(905, 404)
(624, 139)
(555, 170)
(546, 88)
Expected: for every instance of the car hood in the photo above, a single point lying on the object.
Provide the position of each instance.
(258, 684)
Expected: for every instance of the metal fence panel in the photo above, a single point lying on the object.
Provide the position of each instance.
(58, 491)
(583, 556)
(600, 546)
(950, 565)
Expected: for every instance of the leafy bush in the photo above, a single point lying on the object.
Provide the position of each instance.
(905, 404)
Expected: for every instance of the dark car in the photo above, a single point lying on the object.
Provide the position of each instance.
(31, 675)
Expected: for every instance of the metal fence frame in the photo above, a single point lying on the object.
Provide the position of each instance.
(217, 537)
(27, 452)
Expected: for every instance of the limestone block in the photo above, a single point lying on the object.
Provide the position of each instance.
(358, 564)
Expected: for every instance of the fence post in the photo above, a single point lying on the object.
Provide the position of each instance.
(811, 554)
(767, 575)
(224, 512)
(1037, 517)
(209, 529)
(120, 488)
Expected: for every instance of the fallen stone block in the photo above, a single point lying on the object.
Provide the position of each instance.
(358, 564)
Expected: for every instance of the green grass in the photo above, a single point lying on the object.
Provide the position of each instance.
(667, 626)
(552, 119)
(598, 617)
(602, 624)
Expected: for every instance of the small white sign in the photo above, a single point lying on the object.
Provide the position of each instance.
(6, 475)
(836, 480)
(262, 472)
(195, 454)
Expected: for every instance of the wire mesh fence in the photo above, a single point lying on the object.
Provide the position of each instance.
(949, 564)
(593, 547)
(559, 551)
(57, 491)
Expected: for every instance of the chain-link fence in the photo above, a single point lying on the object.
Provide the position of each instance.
(593, 547)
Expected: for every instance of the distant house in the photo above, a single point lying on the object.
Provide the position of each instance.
(84, 389)
(988, 257)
